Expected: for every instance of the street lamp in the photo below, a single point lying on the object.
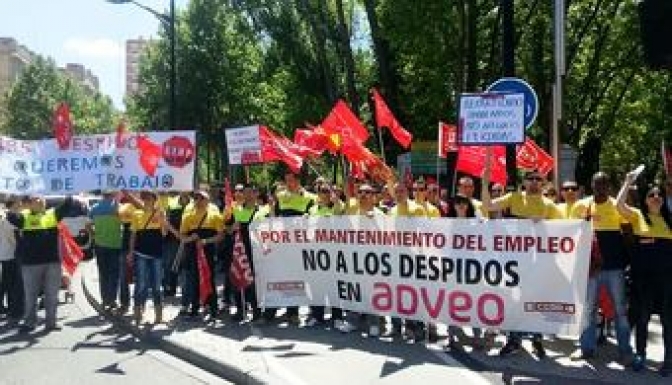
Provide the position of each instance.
(169, 22)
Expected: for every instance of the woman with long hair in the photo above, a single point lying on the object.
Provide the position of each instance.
(651, 267)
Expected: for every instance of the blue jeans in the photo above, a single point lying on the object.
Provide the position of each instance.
(615, 284)
(148, 276)
(108, 273)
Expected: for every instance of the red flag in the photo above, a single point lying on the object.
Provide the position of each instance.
(310, 142)
(121, 131)
(71, 253)
(342, 121)
(532, 157)
(274, 147)
(228, 194)
(385, 118)
(667, 159)
(150, 154)
(241, 272)
(62, 126)
(447, 139)
(471, 160)
(204, 274)
(333, 140)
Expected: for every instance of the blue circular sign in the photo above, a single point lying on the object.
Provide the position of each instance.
(519, 86)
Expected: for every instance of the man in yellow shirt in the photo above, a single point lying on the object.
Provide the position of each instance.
(570, 195)
(602, 210)
(528, 204)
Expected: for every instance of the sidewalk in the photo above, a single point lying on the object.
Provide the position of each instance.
(279, 354)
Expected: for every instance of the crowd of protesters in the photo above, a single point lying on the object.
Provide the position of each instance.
(153, 239)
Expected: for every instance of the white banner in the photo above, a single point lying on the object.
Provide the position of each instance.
(502, 274)
(243, 145)
(491, 118)
(95, 162)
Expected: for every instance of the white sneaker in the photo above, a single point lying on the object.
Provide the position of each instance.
(374, 331)
(347, 327)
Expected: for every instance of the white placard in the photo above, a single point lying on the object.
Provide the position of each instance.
(502, 274)
(95, 162)
(491, 118)
(243, 145)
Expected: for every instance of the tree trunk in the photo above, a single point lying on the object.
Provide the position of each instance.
(348, 59)
(387, 75)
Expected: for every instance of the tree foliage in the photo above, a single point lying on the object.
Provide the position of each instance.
(41, 87)
(284, 63)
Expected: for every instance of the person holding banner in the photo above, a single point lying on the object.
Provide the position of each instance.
(203, 223)
(145, 248)
(40, 259)
(406, 207)
(569, 194)
(291, 201)
(607, 223)
(528, 204)
(651, 268)
(105, 226)
(327, 204)
(362, 204)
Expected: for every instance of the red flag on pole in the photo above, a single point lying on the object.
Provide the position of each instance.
(385, 118)
(471, 160)
(447, 139)
(240, 272)
(667, 159)
(121, 131)
(71, 253)
(532, 157)
(228, 194)
(62, 126)
(277, 148)
(204, 274)
(150, 154)
(342, 121)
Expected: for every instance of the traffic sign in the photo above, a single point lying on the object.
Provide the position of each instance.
(519, 86)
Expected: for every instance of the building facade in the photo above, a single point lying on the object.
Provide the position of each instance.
(13, 59)
(135, 48)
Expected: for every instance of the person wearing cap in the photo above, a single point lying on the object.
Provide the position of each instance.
(148, 227)
(40, 259)
(528, 204)
(105, 225)
(204, 224)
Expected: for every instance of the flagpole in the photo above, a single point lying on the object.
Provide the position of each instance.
(438, 158)
(382, 146)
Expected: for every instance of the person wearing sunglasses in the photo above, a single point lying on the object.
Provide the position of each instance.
(600, 209)
(204, 224)
(528, 204)
(364, 204)
(569, 194)
(327, 204)
(651, 268)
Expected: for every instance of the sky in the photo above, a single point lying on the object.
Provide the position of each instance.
(89, 32)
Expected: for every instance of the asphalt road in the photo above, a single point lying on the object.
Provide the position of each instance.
(88, 351)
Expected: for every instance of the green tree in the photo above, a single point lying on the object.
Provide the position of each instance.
(37, 92)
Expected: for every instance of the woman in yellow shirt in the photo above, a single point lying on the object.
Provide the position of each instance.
(651, 268)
